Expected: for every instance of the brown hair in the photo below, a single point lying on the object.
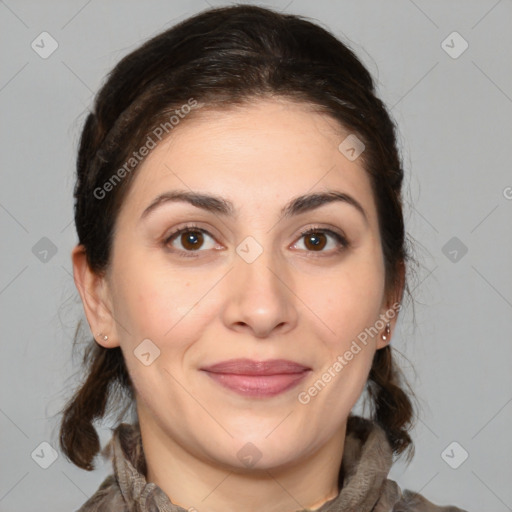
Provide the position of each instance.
(222, 58)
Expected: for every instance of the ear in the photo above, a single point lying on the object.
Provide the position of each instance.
(96, 299)
(391, 306)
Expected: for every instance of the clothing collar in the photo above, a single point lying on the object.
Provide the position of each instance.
(367, 459)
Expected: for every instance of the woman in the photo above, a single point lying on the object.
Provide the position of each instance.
(241, 262)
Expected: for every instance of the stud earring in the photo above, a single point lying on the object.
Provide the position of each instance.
(105, 338)
(385, 334)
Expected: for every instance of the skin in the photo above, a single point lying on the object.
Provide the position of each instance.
(293, 302)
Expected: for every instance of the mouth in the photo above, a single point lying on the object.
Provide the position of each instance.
(257, 378)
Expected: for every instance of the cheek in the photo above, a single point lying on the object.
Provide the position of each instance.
(152, 302)
(165, 308)
(350, 307)
(347, 301)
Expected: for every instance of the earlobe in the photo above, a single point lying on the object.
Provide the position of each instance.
(384, 338)
(387, 333)
(391, 306)
(388, 319)
(101, 336)
(95, 296)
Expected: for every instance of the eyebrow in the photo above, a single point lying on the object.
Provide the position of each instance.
(221, 206)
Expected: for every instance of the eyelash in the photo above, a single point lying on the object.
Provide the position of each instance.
(192, 254)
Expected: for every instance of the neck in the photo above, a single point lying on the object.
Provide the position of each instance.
(199, 484)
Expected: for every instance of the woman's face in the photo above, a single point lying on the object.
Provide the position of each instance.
(244, 283)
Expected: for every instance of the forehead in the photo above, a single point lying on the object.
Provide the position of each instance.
(262, 153)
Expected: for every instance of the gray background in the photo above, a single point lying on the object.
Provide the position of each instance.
(454, 116)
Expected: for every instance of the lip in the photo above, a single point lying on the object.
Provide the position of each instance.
(257, 378)
(251, 367)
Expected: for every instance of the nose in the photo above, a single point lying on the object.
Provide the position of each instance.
(260, 298)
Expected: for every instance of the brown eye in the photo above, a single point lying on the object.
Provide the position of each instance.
(191, 240)
(315, 241)
(318, 239)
